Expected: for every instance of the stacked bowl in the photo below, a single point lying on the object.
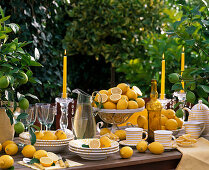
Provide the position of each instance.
(48, 145)
(75, 146)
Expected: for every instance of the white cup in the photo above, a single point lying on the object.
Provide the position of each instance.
(165, 138)
(134, 135)
(194, 128)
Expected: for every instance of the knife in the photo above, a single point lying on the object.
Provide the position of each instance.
(66, 163)
(62, 164)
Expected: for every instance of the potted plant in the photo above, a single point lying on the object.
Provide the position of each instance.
(15, 71)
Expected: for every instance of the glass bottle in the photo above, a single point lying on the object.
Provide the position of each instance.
(154, 108)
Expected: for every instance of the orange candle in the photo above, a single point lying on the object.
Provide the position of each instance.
(64, 92)
(162, 96)
(182, 67)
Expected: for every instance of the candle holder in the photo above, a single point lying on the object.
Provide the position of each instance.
(164, 102)
(64, 102)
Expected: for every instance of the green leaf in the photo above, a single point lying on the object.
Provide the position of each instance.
(32, 135)
(191, 29)
(177, 105)
(205, 88)
(85, 146)
(11, 168)
(14, 27)
(32, 96)
(4, 19)
(34, 160)
(22, 116)
(10, 115)
(34, 63)
(190, 42)
(36, 127)
(53, 164)
(177, 87)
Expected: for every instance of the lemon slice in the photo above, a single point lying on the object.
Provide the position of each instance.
(53, 156)
(116, 90)
(115, 98)
(94, 144)
(137, 90)
(46, 161)
(102, 98)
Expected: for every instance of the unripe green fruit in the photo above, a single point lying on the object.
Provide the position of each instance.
(173, 78)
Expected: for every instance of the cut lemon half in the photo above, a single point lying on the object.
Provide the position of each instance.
(137, 90)
(103, 92)
(102, 98)
(116, 90)
(95, 143)
(46, 161)
(53, 156)
(115, 98)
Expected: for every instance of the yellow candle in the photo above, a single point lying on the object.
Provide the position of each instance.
(64, 92)
(182, 67)
(163, 79)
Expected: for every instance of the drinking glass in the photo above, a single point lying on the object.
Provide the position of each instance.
(79, 127)
(39, 112)
(44, 114)
(50, 118)
(31, 117)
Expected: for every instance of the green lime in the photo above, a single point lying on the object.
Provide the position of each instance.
(23, 104)
(173, 77)
(23, 78)
(190, 96)
(4, 82)
(19, 127)
(179, 113)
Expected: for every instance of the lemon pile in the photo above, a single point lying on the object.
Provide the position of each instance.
(120, 97)
(48, 135)
(169, 121)
(118, 135)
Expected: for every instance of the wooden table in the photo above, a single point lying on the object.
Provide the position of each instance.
(167, 160)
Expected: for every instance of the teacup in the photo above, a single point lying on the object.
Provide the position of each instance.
(165, 138)
(134, 135)
(194, 128)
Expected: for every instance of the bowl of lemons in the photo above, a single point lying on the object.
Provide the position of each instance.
(116, 105)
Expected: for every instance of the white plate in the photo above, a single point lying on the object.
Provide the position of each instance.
(126, 143)
(103, 152)
(92, 151)
(79, 142)
(118, 111)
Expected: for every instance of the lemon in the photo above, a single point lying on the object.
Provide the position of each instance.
(7, 143)
(24, 103)
(170, 114)
(163, 120)
(6, 161)
(132, 105)
(40, 153)
(131, 94)
(142, 122)
(141, 146)
(116, 90)
(4, 82)
(60, 135)
(11, 149)
(95, 143)
(102, 98)
(39, 135)
(23, 78)
(137, 90)
(105, 142)
(126, 152)
(46, 161)
(156, 148)
(173, 78)
(19, 127)
(28, 151)
(103, 92)
(109, 105)
(115, 98)
(53, 156)
(123, 87)
(0, 147)
(104, 131)
(122, 104)
(163, 128)
(140, 102)
(171, 124)
(124, 96)
(163, 111)
(49, 136)
(179, 121)
(109, 91)
(121, 134)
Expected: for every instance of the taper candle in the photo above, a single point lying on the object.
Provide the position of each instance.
(182, 67)
(162, 96)
(64, 92)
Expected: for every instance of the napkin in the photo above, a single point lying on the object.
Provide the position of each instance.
(196, 157)
(57, 166)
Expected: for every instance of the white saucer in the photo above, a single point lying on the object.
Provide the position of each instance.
(125, 143)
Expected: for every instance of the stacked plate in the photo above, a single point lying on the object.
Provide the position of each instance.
(48, 145)
(75, 146)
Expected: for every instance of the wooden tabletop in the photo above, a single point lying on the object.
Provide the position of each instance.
(167, 160)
